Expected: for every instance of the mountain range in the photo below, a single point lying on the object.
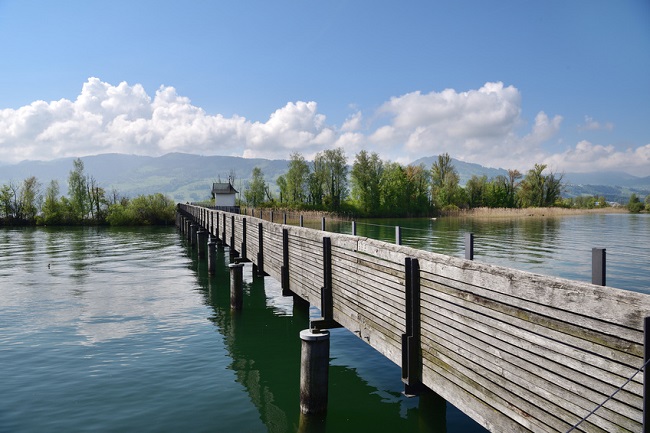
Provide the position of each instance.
(187, 177)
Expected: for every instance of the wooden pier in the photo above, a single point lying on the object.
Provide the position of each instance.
(515, 351)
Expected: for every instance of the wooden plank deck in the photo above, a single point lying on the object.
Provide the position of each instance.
(515, 351)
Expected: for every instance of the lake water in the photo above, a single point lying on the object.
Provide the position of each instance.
(106, 329)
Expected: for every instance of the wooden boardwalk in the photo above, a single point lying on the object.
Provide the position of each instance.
(515, 351)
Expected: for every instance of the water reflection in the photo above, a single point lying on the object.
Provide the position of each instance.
(263, 341)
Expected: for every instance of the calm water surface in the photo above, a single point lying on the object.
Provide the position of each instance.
(123, 330)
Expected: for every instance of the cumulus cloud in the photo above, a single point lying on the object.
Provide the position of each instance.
(589, 157)
(483, 125)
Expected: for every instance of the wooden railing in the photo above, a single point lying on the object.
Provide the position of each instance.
(515, 351)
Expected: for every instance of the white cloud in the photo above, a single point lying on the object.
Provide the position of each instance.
(483, 126)
(588, 157)
(592, 125)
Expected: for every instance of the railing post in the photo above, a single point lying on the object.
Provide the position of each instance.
(285, 263)
(284, 218)
(411, 352)
(302, 221)
(469, 246)
(646, 375)
(243, 240)
(598, 266)
(398, 235)
(260, 251)
(354, 228)
(322, 224)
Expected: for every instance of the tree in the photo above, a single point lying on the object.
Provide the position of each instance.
(77, 190)
(297, 177)
(51, 210)
(394, 194)
(477, 191)
(365, 178)
(634, 205)
(444, 182)
(30, 199)
(539, 190)
(281, 182)
(6, 203)
(254, 195)
(418, 179)
(334, 174)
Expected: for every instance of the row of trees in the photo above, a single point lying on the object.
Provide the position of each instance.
(88, 203)
(374, 187)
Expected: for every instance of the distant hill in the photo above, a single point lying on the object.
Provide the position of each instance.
(186, 177)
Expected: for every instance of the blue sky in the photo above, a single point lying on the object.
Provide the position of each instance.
(502, 83)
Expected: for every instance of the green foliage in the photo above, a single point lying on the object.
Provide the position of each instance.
(256, 191)
(635, 205)
(444, 182)
(333, 175)
(365, 178)
(153, 209)
(539, 190)
(297, 179)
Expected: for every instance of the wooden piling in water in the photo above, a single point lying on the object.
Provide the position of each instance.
(236, 285)
(212, 256)
(314, 370)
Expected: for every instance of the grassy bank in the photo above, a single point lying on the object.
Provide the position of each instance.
(535, 212)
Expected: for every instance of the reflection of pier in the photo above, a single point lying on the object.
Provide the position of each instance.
(515, 351)
(262, 340)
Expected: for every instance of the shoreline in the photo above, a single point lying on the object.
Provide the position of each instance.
(534, 212)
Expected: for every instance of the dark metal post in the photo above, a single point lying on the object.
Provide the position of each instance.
(646, 375)
(302, 221)
(285, 263)
(469, 246)
(411, 352)
(354, 228)
(243, 239)
(260, 252)
(322, 224)
(598, 268)
(284, 218)
(398, 235)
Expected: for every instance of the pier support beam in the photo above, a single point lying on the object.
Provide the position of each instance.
(201, 240)
(314, 370)
(212, 256)
(236, 285)
(598, 266)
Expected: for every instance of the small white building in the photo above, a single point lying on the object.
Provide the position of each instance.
(223, 194)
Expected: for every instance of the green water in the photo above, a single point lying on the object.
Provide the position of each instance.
(124, 330)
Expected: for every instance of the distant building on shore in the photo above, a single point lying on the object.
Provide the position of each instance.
(223, 194)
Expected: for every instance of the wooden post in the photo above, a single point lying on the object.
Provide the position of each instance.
(236, 285)
(469, 246)
(411, 351)
(223, 228)
(243, 238)
(284, 270)
(201, 240)
(314, 370)
(398, 235)
(260, 252)
(212, 256)
(646, 375)
(598, 267)
(193, 229)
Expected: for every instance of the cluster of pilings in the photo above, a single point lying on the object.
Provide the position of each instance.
(315, 343)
